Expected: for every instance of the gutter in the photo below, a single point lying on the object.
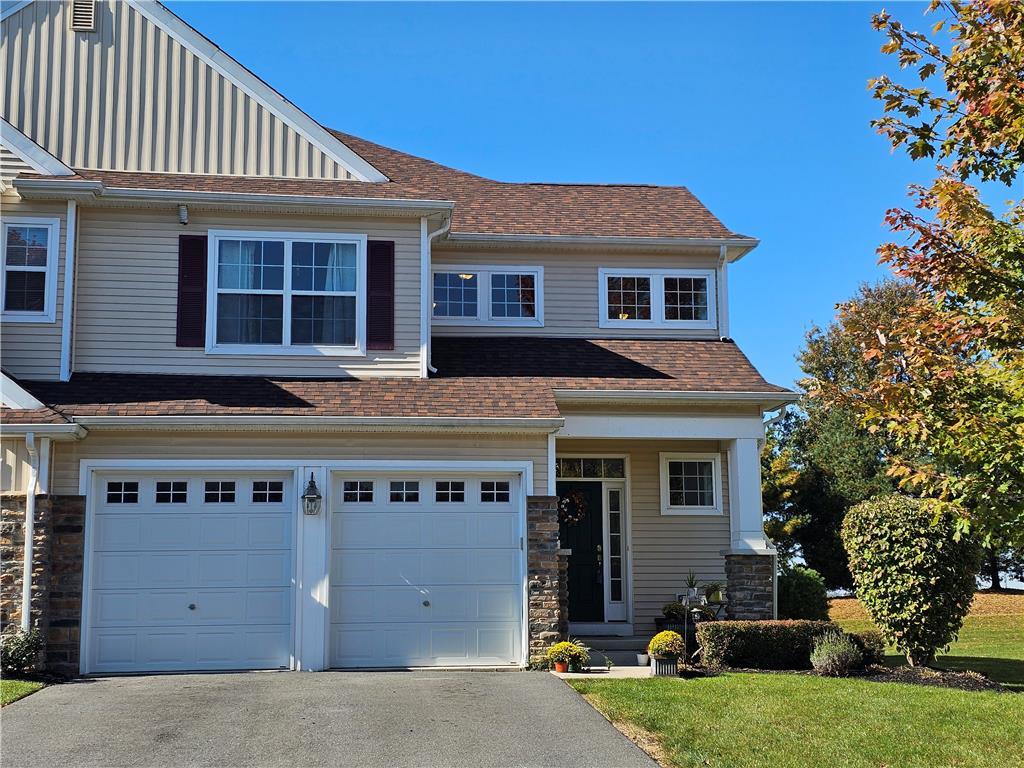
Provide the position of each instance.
(49, 431)
(629, 395)
(746, 244)
(321, 423)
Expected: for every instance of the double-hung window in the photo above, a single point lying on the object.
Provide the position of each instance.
(28, 280)
(295, 293)
(641, 298)
(691, 484)
(465, 295)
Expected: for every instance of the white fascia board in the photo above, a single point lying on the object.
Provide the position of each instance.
(644, 395)
(13, 8)
(681, 427)
(745, 243)
(16, 396)
(53, 431)
(321, 423)
(33, 154)
(257, 89)
(83, 190)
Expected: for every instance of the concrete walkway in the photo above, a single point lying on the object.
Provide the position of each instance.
(271, 719)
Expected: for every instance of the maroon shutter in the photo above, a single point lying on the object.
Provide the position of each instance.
(191, 291)
(380, 294)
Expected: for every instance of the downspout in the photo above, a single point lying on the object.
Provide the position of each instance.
(67, 313)
(30, 531)
(428, 285)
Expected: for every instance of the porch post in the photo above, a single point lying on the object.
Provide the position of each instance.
(750, 560)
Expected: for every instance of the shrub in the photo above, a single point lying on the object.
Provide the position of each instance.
(836, 655)
(666, 645)
(871, 645)
(760, 644)
(802, 594)
(569, 651)
(914, 579)
(675, 612)
(19, 653)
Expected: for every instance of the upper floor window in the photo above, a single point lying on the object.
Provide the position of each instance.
(29, 274)
(464, 295)
(287, 293)
(676, 298)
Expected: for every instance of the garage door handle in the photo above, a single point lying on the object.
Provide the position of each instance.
(191, 606)
(426, 603)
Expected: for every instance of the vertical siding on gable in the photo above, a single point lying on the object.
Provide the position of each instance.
(32, 350)
(571, 300)
(129, 97)
(664, 547)
(127, 295)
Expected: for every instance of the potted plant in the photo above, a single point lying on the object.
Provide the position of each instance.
(691, 585)
(713, 592)
(665, 649)
(642, 659)
(568, 655)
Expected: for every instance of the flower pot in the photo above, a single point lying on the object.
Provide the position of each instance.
(664, 667)
(561, 666)
(642, 659)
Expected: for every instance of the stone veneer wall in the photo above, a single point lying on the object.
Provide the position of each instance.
(547, 565)
(750, 587)
(56, 574)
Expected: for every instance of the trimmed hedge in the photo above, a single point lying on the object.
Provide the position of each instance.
(760, 644)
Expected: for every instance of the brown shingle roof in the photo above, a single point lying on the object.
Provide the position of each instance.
(31, 416)
(482, 206)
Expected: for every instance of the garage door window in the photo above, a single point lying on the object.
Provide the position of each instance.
(358, 491)
(450, 491)
(122, 493)
(220, 492)
(405, 491)
(172, 492)
(267, 492)
(495, 491)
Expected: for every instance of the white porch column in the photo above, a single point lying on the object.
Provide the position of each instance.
(746, 521)
(311, 594)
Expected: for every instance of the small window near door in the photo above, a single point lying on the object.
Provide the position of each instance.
(172, 492)
(591, 469)
(495, 491)
(357, 491)
(219, 492)
(122, 493)
(615, 547)
(267, 491)
(690, 484)
(452, 491)
(404, 491)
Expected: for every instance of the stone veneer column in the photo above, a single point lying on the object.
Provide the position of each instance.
(547, 566)
(12, 554)
(67, 554)
(750, 586)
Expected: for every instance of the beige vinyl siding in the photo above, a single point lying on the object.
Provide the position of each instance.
(664, 547)
(10, 166)
(129, 97)
(32, 350)
(14, 467)
(127, 295)
(307, 446)
(571, 300)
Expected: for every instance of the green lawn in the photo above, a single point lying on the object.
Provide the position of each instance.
(12, 690)
(792, 721)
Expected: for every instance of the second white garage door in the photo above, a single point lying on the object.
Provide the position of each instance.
(426, 570)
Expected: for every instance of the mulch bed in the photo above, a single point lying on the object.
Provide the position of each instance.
(964, 681)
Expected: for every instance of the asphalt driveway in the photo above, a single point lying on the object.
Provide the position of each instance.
(268, 719)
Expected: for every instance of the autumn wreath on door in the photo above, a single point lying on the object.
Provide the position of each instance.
(572, 508)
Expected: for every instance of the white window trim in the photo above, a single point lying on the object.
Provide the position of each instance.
(657, 278)
(716, 469)
(49, 313)
(483, 304)
(214, 236)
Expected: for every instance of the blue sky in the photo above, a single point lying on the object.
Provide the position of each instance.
(761, 109)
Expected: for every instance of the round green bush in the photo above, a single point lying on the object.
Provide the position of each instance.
(913, 577)
(802, 594)
(836, 655)
(666, 645)
(19, 652)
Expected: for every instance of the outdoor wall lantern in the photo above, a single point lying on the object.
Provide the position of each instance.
(311, 498)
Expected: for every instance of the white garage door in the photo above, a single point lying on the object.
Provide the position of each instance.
(426, 570)
(190, 572)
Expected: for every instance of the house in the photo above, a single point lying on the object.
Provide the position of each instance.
(276, 396)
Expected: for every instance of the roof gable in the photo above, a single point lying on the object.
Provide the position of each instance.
(158, 97)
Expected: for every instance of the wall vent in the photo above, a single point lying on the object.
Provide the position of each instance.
(83, 15)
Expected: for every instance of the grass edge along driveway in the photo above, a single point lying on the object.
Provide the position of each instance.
(749, 720)
(12, 690)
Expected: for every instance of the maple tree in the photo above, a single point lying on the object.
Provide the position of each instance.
(946, 384)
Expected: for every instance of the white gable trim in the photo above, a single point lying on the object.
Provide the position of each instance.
(254, 87)
(13, 8)
(26, 149)
(15, 396)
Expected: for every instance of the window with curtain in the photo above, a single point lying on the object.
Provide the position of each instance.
(287, 292)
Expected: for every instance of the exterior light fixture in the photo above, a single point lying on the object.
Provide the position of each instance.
(183, 214)
(466, 277)
(311, 498)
